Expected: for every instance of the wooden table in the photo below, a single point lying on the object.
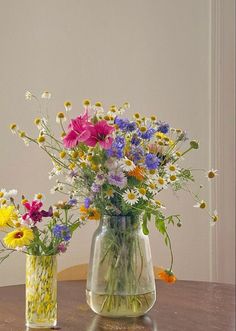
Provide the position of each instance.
(184, 306)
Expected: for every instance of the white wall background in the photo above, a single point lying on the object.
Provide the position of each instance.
(156, 54)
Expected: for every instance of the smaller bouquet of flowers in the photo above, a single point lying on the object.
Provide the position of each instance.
(24, 229)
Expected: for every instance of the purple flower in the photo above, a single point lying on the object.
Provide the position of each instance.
(95, 187)
(125, 124)
(136, 154)
(117, 147)
(163, 127)
(135, 140)
(61, 232)
(147, 134)
(72, 202)
(152, 161)
(61, 248)
(117, 178)
(87, 202)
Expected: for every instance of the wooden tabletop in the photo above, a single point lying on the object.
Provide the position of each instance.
(184, 306)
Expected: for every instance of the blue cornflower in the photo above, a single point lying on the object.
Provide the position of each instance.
(135, 140)
(117, 147)
(136, 154)
(163, 127)
(72, 202)
(152, 161)
(87, 202)
(125, 124)
(62, 232)
(147, 134)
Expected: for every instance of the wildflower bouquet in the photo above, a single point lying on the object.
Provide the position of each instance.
(119, 167)
(23, 226)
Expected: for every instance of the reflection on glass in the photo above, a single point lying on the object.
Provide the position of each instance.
(144, 323)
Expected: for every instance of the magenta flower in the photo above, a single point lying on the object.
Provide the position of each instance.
(79, 131)
(34, 213)
(100, 133)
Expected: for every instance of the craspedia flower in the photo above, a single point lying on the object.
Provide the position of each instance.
(211, 174)
(62, 154)
(67, 105)
(167, 276)
(20, 237)
(41, 139)
(214, 217)
(201, 204)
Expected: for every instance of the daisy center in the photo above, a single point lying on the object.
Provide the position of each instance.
(161, 181)
(173, 178)
(131, 196)
(128, 162)
(142, 191)
(202, 205)
(172, 168)
(211, 174)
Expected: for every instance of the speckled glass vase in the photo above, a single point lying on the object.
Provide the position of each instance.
(41, 291)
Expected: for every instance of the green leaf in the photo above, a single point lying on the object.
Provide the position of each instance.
(144, 225)
(160, 225)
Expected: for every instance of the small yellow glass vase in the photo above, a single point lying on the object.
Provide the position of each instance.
(41, 291)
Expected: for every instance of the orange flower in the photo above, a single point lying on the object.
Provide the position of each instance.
(138, 173)
(91, 214)
(167, 276)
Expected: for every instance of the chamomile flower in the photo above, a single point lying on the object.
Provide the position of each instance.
(201, 204)
(46, 95)
(159, 204)
(142, 193)
(171, 178)
(127, 165)
(152, 174)
(171, 169)
(211, 174)
(60, 117)
(152, 188)
(214, 218)
(109, 193)
(130, 197)
(14, 128)
(161, 183)
(67, 105)
(41, 140)
(39, 196)
(28, 95)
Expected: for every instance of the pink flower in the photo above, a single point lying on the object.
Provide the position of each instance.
(79, 131)
(34, 213)
(99, 133)
(61, 248)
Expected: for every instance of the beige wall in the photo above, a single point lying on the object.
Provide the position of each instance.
(155, 54)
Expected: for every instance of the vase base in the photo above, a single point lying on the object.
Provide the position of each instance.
(40, 326)
(116, 306)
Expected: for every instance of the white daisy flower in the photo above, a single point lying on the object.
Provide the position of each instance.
(142, 193)
(28, 95)
(127, 165)
(152, 174)
(159, 204)
(201, 204)
(46, 95)
(161, 183)
(39, 196)
(130, 197)
(3, 193)
(211, 174)
(171, 169)
(109, 193)
(171, 178)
